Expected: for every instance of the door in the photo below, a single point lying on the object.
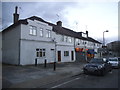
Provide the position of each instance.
(59, 56)
(72, 55)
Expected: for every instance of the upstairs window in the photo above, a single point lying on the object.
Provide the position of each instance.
(48, 33)
(65, 38)
(62, 38)
(77, 41)
(33, 30)
(69, 39)
(41, 32)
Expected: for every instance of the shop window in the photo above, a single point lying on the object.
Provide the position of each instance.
(66, 53)
(40, 52)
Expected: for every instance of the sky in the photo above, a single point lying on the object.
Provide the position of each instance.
(95, 17)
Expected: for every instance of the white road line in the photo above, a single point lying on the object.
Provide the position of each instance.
(65, 83)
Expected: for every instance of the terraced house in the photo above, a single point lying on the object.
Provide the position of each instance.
(34, 38)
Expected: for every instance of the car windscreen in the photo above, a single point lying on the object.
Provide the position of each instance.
(113, 59)
(96, 61)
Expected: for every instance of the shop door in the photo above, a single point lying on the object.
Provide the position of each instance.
(59, 56)
(72, 55)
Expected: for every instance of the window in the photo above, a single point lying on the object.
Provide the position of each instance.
(65, 38)
(37, 52)
(40, 52)
(48, 33)
(62, 38)
(66, 53)
(69, 39)
(33, 30)
(44, 52)
(41, 32)
(77, 41)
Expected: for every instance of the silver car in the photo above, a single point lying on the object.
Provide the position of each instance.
(115, 61)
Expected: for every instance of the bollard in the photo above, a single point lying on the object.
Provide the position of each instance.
(36, 62)
(45, 63)
(54, 66)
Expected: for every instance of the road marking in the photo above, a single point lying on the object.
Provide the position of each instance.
(65, 83)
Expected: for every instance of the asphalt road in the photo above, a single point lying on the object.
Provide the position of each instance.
(110, 80)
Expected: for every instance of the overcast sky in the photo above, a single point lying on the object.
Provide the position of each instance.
(95, 17)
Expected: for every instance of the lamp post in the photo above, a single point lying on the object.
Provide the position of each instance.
(104, 37)
(54, 67)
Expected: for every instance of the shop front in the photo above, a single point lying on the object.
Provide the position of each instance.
(83, 54)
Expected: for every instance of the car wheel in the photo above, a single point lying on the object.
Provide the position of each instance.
(96, 72)
(103, 72)
(110, 70)
(85, 72)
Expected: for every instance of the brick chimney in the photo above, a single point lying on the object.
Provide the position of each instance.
(15, 15)
(59, 23)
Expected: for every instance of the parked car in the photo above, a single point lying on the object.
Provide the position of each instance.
(98, 66)
(115, 61)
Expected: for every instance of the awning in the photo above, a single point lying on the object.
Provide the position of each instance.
(91, 51)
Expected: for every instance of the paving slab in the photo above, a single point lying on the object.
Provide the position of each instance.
(36, 76)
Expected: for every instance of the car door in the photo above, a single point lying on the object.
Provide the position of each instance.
(107, 66)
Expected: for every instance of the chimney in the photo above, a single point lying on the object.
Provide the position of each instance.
(87, 33)
(15, 15)
(59, 23)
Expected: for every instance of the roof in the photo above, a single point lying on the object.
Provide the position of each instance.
(64, 31)
(56, 28)
(24, 21)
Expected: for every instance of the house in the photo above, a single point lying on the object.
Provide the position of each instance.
(114, 49)
(0, 46)
(34, 38)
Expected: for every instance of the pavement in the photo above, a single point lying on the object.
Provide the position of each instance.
(32, 76)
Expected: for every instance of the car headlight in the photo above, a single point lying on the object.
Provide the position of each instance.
(100, 66)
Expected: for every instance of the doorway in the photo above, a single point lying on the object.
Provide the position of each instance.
(72, 55)
(59, 56)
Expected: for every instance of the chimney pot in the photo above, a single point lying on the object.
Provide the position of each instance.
(15, 15)
(59, 23)
(87, 33)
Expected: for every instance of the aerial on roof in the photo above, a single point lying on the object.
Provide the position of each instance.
(56, 28)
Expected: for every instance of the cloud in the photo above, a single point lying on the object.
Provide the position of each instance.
(46, 10)
(97, 16)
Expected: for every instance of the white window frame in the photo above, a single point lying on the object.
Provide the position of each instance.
(33, 30)
(62, 38)
(70, 39)
(66, 53)
(41, 32)
(40, 52)
(48, 33)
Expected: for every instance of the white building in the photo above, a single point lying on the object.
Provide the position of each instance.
(32, 38)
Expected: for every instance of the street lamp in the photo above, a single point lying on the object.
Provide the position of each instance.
(104, 38)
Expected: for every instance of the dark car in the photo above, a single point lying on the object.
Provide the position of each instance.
(98, 66)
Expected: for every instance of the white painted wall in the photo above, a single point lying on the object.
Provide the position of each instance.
(65, 48)
(25, 31)
(30, 43)
(10, 45)
(28, 52)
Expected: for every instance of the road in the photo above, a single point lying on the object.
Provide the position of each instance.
(110, 80)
